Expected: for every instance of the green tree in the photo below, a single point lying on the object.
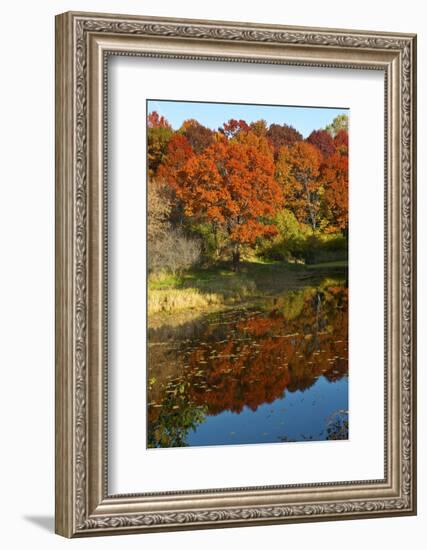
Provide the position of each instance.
(159, 132)
(340, 122)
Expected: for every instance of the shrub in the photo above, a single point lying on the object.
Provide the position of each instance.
(297, 242)
(159, 209)
(211, 240)
(325, 248)
(289, 244)
(173, 252)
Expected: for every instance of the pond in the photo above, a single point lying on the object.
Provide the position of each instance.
(269, 371)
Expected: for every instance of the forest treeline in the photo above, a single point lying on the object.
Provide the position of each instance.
(245, 191)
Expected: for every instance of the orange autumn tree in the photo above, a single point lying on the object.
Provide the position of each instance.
(231, 185)
(334, 178)
(179, 150)
(297, 171)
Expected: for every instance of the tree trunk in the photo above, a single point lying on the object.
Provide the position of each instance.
(236, 258)
(345, 233)
(310, 206)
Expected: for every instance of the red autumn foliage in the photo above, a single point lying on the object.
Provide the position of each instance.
(323, 141)
(179, 151)
(233, 127)
(198, 135)
(282, 135)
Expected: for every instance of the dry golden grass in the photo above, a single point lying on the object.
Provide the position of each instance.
(177, 299)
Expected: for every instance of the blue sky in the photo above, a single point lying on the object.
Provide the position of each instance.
(213, 115)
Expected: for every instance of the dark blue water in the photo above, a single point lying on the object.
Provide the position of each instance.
(270, 372)
(298, 416)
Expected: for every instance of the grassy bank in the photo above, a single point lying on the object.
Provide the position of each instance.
(219, 286)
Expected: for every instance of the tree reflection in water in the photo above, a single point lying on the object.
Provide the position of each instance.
(239, 360)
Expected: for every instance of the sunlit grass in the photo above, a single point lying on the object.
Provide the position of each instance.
(179, 299)
(164, 280)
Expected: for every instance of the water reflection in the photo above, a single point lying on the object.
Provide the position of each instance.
(275, 371)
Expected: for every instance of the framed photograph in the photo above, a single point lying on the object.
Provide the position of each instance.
(235, 274)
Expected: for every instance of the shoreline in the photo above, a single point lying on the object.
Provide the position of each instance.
(215, 297)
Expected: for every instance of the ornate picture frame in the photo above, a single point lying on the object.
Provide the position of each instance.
(84, 42)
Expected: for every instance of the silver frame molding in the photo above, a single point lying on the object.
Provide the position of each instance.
(84, 42)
